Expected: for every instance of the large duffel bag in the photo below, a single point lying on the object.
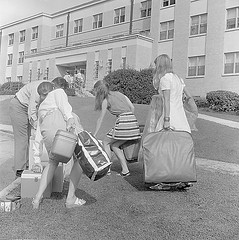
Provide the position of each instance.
(93, 160)
(169, 157)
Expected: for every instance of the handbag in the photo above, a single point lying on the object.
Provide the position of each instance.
(169, 157)
(93, 160)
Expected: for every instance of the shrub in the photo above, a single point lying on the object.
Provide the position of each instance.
(10, 88)
(136, 85)
(223, 101)
(201, 102)
(70, 91)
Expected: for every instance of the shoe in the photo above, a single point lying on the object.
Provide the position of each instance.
(78, 203)
(124, 174)
(160, 187)
(19, 173)
(36, 204)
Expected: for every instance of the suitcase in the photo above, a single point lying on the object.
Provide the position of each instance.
(63, 146)
(30, 182)
(93, 160)
(169, 157)
(131, 148)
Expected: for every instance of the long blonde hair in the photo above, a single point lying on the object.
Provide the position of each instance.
(163, 65)
(101, 89)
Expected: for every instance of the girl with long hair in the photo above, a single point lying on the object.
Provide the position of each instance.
(126, 125)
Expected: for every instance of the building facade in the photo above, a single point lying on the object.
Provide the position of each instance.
(99, 36)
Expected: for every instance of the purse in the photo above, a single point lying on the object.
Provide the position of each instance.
(169, 157)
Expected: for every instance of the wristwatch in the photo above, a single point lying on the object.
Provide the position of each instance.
(166, 119)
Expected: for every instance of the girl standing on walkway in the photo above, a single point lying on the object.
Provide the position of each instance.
(55, 113)
(126, 125)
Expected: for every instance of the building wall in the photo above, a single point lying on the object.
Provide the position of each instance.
(140, 51)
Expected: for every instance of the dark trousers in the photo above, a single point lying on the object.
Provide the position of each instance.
(21, 130)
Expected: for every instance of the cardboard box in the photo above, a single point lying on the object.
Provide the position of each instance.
(30, 182)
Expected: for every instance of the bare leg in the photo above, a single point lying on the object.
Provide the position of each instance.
(46, 178)
(106, 145)
(120, 155)
(75, 175)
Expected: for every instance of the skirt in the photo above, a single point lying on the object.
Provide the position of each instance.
(126, 128)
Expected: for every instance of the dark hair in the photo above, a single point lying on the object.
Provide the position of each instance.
(101, 89)
(44, 88)
(60, 82)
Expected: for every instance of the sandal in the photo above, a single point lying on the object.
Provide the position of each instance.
(78, 203)
(124, 174)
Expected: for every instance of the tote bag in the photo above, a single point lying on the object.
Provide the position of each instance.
(169, 156)
(93, 160)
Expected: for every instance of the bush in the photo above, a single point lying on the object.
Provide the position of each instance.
(70, 91)
(10, 88)
(223, 101)
(201, 102)
(136, 85)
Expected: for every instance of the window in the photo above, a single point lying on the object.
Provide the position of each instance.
(119, 15)
(47, 73)
(8, 79)
(34, 50)
(123, 62)
(146, 8)
(233, 18)
(10, 39)
(38, 73)
(78, 25)
(231, 64)
(97, 64)
(34, 32)
(22, 36)
(145, 33)
(19, 78)
(21, 57)
(9, 59)
(109, 66)
(97, 23)
(166, 30)
(196, 66)
(167, 3)
(59, 30)
(198, 24)
(30, 75)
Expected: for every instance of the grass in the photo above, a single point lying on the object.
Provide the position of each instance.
(120, 208)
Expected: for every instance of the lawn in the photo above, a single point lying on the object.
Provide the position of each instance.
(124, 209)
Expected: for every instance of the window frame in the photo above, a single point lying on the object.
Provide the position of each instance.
(197, 29)
(78, 25)
(21, 57)
(33, 50)
(10, 39)
(59, 30)
(35, 33)
(146, 8)
(197, 68)
(22, 37)
(168, 3)
(9, 59)
(235, 19)
(234, 64)
(97, 20)
(168, 31)
(120, 17)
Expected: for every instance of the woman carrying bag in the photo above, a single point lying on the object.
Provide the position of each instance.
(172, 119)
